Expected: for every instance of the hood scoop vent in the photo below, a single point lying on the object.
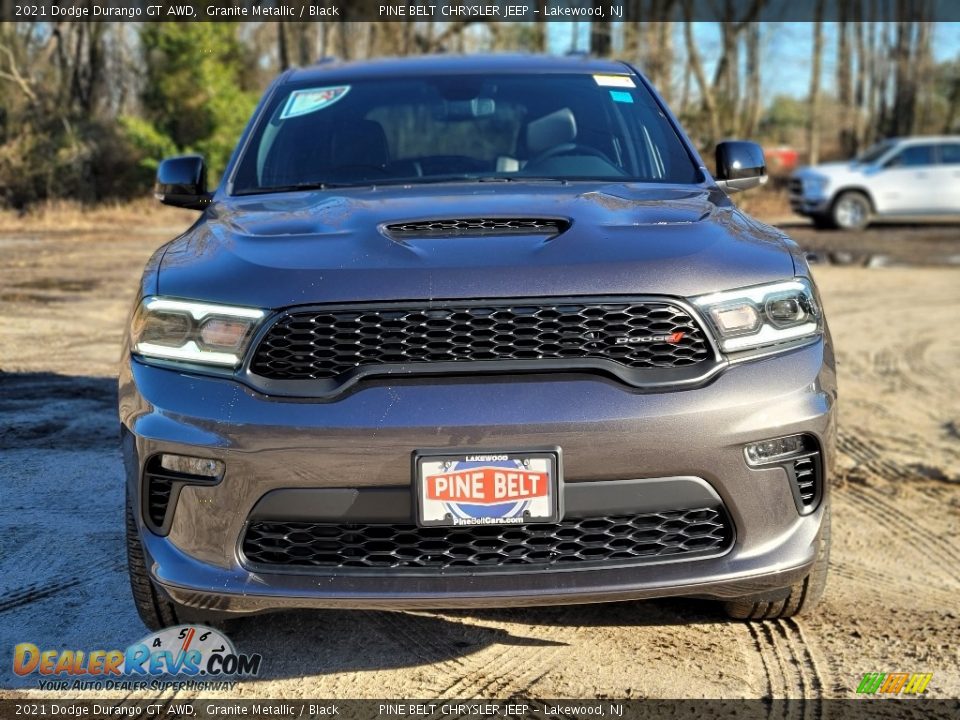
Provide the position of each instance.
(475, 227)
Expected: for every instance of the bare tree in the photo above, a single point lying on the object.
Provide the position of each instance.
(600, 40)
(282, 54)
(754, 103)
(813, 122)
(696, 66)
(860, 88)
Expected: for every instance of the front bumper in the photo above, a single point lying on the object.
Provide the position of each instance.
(608, 433)
(808, 206)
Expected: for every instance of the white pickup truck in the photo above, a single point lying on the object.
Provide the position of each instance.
(903, 177)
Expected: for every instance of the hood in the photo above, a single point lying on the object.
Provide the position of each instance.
(834, 170)
(273, 251)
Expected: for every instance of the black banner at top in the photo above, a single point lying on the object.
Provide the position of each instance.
(479, 10)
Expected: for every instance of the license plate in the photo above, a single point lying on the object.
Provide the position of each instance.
(486, 488)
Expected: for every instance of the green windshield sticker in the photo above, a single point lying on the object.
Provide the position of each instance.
(621, 96)
(302, 102)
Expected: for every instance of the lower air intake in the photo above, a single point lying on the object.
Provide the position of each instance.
(584, 541)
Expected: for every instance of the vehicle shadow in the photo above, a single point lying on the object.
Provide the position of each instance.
(45, 410)
(351, 641)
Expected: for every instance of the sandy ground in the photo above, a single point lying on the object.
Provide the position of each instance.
(891, 601)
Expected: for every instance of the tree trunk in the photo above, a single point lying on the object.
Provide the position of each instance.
(813, 127)
(754, 104)
(706, 91)
(860, 85)
(905, 93)
(600, 33)
(540, 28)
(283, 56)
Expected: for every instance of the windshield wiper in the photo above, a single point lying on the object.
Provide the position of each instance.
(434, 179)
(437, 179)
(300, 187)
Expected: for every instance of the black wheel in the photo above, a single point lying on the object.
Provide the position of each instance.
(153, 607)
(851, 211)
(801, 597)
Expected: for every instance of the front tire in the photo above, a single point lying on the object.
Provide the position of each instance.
(851, 211)
(801, 597)
(154, 609)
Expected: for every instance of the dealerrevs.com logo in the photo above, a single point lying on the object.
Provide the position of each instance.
(195, 652)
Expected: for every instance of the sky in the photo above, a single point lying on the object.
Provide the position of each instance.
(785, 45)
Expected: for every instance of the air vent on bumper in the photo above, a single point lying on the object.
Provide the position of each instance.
(806, 481)
(161, 488)
(801, 458)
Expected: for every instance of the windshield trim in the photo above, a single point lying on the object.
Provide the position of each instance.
(287, 81)
(373, 186)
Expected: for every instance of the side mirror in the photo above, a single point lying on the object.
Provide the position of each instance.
(182, 182)
(740, 165)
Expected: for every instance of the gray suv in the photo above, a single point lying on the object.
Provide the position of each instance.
(473, 332)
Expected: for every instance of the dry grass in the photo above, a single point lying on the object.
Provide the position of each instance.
(766, 204)
(64, 215)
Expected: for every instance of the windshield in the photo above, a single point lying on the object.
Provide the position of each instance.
(875, 152)
(463, 128)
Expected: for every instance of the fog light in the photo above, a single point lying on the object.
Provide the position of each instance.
(204, 467)
(774, 450)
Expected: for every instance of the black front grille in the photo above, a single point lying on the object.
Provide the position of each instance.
(796, 186)
(330, 342)
(611, 540)
(477, 226)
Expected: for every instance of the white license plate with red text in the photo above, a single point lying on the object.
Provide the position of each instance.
(486, 488)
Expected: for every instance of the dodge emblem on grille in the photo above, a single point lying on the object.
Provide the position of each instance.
(672, 338)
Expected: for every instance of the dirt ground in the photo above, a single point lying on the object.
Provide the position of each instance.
(892, 594)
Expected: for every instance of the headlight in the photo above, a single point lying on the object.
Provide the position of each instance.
(762, 315)
(193, 331)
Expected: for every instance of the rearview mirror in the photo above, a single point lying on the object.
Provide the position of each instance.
(454, 110)
(740, 165)
(182, 182)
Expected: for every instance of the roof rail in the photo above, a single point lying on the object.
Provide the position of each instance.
(325, 59)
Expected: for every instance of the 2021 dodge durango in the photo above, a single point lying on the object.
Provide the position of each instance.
(473, 332)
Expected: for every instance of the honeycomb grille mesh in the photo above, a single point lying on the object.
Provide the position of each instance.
(324, 344)
(600, 540)
(478, 226)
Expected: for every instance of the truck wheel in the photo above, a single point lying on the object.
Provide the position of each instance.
(154, 609)
(851, 211)
(801, 597)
